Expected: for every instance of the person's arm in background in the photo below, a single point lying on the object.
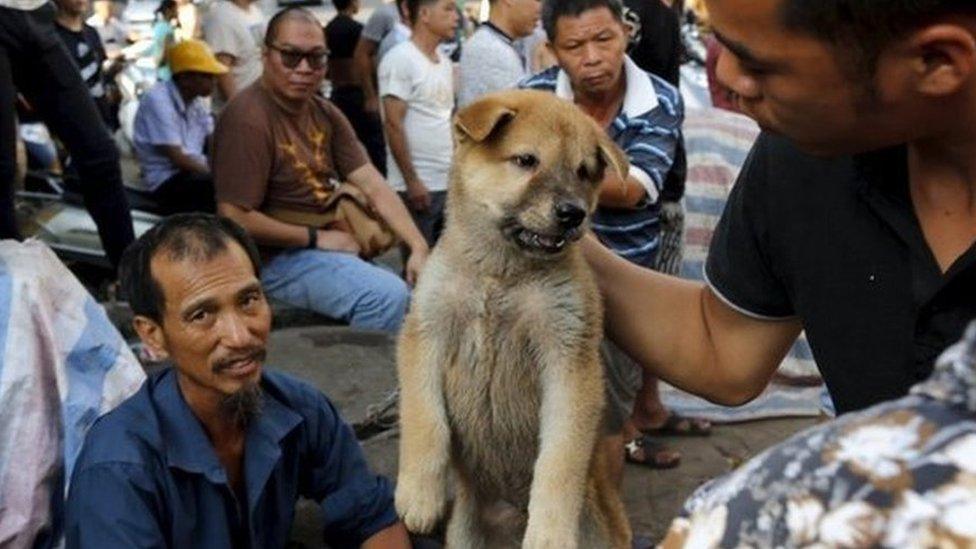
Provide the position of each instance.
(184, 162)
(651, 151)
(268, 231)
(394, 112)
(364, 61)
(225, 82)
(624, 194)
(389, 206)
(380, 23)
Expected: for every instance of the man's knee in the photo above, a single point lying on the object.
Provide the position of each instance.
(99, 162)
(384, 305)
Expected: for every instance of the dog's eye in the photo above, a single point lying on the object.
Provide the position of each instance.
(588, 173)
(525, 161)
(582, 172)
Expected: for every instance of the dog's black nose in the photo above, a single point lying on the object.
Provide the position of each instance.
(569, 215)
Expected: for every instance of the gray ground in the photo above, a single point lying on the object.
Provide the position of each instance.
(356, 369)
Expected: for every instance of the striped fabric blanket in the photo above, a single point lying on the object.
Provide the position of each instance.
(62, 364)
(718, 142)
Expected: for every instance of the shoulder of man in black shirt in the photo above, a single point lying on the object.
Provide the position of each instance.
(341, 35)
(835, 243)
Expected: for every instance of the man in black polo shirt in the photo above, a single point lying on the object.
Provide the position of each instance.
(854, 217)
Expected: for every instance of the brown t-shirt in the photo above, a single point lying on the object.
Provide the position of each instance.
(268, 157)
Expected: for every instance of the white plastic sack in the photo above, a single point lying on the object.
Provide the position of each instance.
(62, 365)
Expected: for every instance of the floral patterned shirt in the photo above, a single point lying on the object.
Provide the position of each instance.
(900, 474)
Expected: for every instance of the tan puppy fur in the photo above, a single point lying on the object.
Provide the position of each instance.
(498, 360)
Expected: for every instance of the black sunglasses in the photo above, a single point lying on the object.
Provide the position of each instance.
(292, 58)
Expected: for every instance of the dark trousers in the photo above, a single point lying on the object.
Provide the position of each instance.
(34, 61)
(185, 192)
(368, 126)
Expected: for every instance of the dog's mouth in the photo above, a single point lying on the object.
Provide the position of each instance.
(548, 244)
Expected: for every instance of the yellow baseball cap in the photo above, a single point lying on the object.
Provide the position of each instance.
(193, 56)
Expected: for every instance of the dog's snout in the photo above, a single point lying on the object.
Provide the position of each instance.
(569, 215)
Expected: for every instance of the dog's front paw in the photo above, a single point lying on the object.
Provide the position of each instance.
(420, 504)
(548, 537)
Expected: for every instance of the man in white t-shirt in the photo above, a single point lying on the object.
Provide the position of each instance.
(234, 29)
(417, 88)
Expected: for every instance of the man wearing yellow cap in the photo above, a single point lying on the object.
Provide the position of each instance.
(172, 127)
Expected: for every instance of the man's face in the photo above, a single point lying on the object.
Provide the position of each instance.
(524, 15)
(196, 84)
(74, 7)
(215, 322)
(796, 85)
(298, 83)
(590, 48)
(440, 18)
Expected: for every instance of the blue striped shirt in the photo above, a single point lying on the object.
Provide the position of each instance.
(648, 129)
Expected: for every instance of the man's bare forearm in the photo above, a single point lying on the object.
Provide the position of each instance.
(400, 148)
(392, 537)
(680, 331)
(617, 193)
(183, 161)
(363, 61)
(388, 205)
(265, 230)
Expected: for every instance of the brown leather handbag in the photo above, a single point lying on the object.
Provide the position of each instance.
(347, 209)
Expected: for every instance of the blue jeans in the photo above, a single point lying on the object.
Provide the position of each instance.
(338, 285)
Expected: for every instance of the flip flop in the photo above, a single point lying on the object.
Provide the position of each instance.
(651, 451)
(681, 426)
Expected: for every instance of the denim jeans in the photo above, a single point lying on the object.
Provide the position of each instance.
(34, 61)
(338, 285)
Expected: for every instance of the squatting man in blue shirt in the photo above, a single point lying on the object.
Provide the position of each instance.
(214, 451)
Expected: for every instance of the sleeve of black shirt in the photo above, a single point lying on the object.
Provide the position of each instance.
(740, 268)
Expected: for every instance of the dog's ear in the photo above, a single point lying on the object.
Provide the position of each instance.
(613, 156)
(481, 118)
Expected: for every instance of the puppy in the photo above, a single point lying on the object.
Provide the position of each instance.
(498, 360)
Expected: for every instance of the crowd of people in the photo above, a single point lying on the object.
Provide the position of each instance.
(853, 219)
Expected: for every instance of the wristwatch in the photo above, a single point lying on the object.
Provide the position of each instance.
(313, 238)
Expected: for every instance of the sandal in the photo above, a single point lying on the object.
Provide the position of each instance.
(644, 450)
(678, 425)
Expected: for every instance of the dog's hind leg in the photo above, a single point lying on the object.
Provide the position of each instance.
(421, 492)
(465, 529)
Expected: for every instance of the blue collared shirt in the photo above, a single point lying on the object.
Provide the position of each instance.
(148, 476)
(648, 129)
(164, 119)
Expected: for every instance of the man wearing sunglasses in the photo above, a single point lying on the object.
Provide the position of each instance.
(279, 146)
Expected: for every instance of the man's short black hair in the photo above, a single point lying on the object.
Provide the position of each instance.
(412, 8)
(194, 236)
(292, 13)
(341, 5)
(552, 10)
(866, 27)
